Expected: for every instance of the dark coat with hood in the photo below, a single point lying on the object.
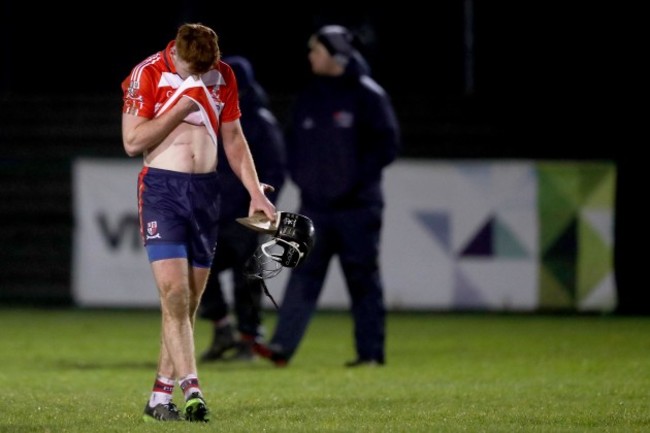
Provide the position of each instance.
(342, 132)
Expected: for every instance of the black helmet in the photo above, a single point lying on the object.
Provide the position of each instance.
(292, 241)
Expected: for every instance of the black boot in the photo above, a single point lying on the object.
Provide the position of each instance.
(222, 341)
(243, 352)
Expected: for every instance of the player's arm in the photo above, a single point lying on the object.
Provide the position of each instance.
(140, 133)
(241, 161)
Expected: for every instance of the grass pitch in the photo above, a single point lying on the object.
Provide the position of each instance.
(75, 370)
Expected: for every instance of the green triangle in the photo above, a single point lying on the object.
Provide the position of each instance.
(595, 260)
(565, 176)
(560, 257)
(603, 194)
(556, 211)
(506, 244)
(592, 174)
(552, 294)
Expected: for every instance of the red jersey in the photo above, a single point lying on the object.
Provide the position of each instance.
(154, 80)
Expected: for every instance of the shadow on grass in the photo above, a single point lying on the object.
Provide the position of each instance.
(76, 364)
(22, 428)
(229, 365)
(66, 364)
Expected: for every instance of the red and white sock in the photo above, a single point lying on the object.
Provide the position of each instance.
(163, 389)
(190, 384)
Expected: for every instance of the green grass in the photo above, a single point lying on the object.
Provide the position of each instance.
(92, 370)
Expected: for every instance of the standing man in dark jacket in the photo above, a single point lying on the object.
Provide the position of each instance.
(343, 132)
(236, 243)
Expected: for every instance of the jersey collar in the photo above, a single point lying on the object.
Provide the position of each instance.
(167, 57)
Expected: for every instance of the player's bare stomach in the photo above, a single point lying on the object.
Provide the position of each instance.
(188, 149)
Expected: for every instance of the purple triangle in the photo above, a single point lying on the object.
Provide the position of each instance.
(482, 244)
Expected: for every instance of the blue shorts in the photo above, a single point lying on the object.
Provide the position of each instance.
(178, 215)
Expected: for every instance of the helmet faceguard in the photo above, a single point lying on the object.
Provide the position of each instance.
(287, 248)
(295, 236)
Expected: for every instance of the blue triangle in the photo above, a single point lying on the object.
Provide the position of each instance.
(437, 223)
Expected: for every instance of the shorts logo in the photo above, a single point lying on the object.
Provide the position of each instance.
(152, 230)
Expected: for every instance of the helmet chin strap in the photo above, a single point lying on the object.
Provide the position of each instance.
(268, 294)
(259, 267)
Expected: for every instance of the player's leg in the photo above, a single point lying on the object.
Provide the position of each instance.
(160, 406)
(173, 281)
(174, 239)
(195, 406)
(171, 276)
(169, 265)
(202, 233)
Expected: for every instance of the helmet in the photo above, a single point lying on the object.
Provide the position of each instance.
(295, 237)
(287, 248)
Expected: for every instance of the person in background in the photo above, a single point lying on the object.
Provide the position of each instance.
(342, 133)
(174, 102)
(236, 243)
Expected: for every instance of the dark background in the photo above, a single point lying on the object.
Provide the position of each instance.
(469, 79)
